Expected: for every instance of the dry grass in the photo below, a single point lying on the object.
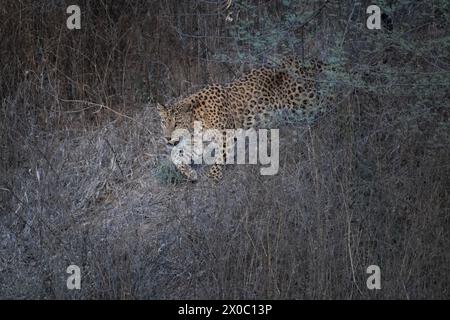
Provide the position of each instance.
(367, 184)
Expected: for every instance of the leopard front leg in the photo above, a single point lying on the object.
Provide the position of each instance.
(215, 172)
(226, 149)
(180, 160)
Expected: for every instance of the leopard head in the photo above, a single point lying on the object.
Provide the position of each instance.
(173, 117)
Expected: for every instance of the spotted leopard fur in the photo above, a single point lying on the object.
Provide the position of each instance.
(246, 102)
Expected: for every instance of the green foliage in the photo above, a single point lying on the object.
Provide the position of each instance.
(259, 33)
(166, 173)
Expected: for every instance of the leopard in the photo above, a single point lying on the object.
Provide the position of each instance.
(247, 102)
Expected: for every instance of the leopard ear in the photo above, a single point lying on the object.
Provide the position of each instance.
(160, 108)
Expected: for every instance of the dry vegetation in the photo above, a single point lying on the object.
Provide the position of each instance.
(84, 178)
